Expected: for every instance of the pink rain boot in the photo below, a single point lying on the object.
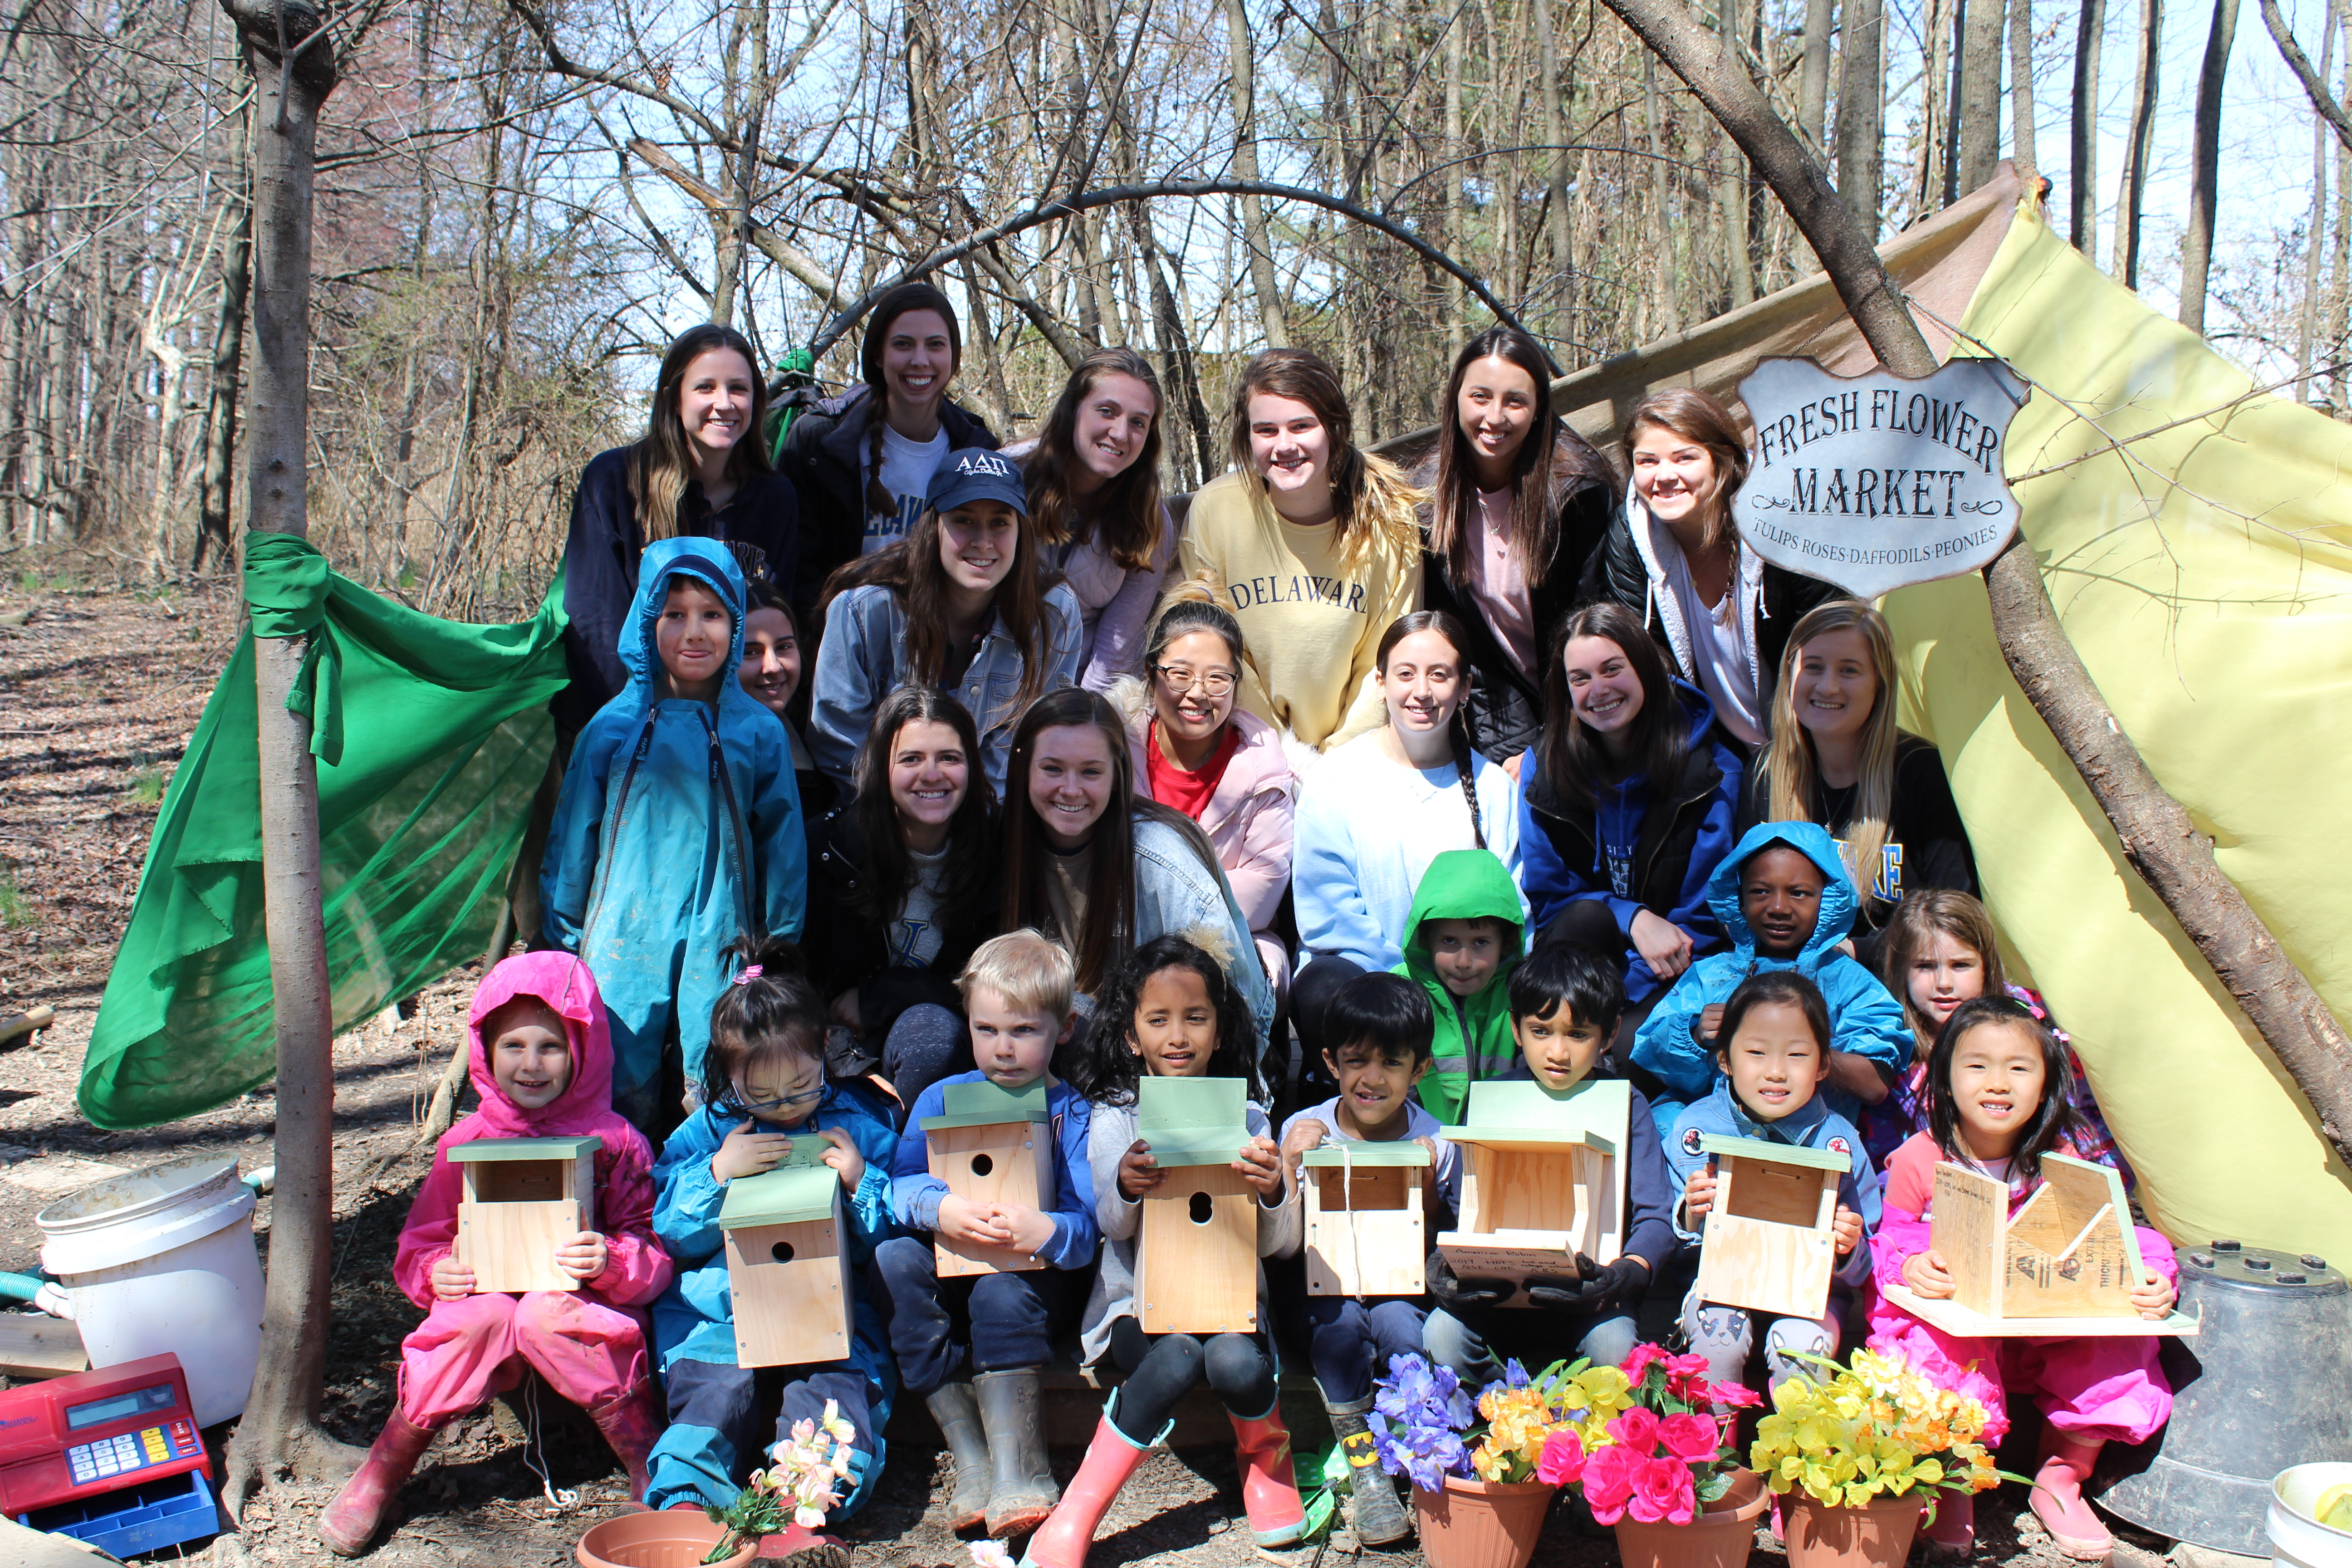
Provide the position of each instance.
(1269, 1487)
(352, 1520)
(1952, 1537)
(2066, 1464)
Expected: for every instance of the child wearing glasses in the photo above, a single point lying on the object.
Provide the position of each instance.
(1199, 752)
(763, 1082)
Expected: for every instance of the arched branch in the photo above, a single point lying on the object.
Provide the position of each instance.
(1108, 196)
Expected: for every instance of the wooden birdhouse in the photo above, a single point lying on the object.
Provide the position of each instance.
(523, 1198)
(788, 1261)
(1197, 1268)
(1367, 1229)
(1543, 1178)
(2062, 1266)
(1768, 1245)
(992, 1145)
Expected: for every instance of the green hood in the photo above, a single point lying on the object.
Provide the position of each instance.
(1474, 1033)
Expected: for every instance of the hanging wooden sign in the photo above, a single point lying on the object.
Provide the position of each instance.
(1877, 482)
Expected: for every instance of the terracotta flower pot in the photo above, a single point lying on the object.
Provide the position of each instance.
(1481, 1524)
(1719, 1536)
(1876, 1536)
(673, 1538)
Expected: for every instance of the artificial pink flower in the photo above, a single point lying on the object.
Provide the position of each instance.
(1731, 1396)
(1561, 1462)
(1637, 1429)
(1692, 1437)
(1662, 1490)
(1609, 1482)
(1646, 1355)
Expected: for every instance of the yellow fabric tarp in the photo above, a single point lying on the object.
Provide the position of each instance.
(2205, 575)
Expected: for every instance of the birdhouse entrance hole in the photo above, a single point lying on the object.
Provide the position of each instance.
(982, 1165)
(782, 1252)
(1202, 1210)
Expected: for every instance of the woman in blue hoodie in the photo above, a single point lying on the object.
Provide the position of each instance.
(677, 845)
(1627, 808)
(1785, 900)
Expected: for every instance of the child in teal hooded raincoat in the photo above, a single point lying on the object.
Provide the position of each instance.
(677, 840)
(1864, 1018)
(1474, 1038)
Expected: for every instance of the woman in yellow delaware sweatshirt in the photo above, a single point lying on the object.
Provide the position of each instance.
(1315, 548)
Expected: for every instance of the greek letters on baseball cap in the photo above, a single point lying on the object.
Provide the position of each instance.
(975, 473)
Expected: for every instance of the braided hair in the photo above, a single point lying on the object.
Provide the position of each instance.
(897, 302)
(1457, 729)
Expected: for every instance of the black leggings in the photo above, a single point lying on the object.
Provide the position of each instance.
(1162, 1368)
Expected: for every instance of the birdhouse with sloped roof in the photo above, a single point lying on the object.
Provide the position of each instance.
(991, 1145)
(788, 1261)
(1769, 1243)
(1366, 1221)
(522, 1199)
(1197, 1268)
(1543, 1179)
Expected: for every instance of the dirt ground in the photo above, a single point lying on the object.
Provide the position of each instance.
(102, 692)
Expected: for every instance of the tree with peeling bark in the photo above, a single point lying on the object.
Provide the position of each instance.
(293, 62)
(2159, 837)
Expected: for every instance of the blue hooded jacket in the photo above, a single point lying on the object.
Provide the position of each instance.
(1865, 1017)
(679, 837)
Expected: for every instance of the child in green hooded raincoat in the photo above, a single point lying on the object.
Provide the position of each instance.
(1463, 940)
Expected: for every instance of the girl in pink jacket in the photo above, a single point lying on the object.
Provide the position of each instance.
(2001, 1096)
(541, 1056)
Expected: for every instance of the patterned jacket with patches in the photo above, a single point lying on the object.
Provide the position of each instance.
(1813, 1125)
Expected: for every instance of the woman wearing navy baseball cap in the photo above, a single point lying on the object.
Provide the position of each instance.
(959, 605)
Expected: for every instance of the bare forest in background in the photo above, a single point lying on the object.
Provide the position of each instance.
(519, 203)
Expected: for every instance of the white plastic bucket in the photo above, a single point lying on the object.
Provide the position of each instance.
(163, 1259)
(2297, 1538)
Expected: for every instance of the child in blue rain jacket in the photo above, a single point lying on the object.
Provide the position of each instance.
(677, 845)
(764, 1083)
(1785, 900)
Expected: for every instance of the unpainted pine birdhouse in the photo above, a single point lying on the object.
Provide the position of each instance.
(1543, 1178)
(2062, 1266)
(1367, 1229)
(788, 1262)
(992, 1145)
(1196, 1271)
(1768, 1244)
(523, 1198)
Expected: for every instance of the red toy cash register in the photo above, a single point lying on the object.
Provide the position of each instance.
(110, 1456)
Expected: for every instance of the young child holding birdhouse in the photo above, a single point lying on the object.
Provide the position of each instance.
(1462, 939)
(1999, 1103)
(725, 1355)
(1773, 1058)
(1566, 1003)
(1377, 1031)
(1172, 1013)
(973, 1344)
(542, 1060)
(1786, 901)
(682, 784)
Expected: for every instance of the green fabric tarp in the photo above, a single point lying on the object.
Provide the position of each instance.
(431, 737)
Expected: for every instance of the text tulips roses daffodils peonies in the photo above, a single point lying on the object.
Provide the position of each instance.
(1871, 1429)
(1660, 1454)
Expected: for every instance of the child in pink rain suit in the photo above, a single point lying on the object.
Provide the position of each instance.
(2001, 1096)
(541, 1056)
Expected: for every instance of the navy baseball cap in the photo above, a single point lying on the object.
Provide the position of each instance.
(975, 473)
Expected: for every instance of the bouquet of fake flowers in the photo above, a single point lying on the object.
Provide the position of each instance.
(1874, 1428)
(1435, 1429)
(1663, 1452)
(803, 1483)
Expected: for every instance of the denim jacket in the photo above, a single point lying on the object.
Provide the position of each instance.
(858, 665)
(1177, 895)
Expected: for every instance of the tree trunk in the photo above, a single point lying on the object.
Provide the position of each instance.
(1731, 184)
(1978, 101)
(2083, 172)
(2139, 144)
(2314, 243)
(1813, 75)
(2159, 837)
(1862, 113)
(1457, 325)
(2024, 155)
(2205, 182)
(229, 358)
(1563, 239)
(279, 1431)
(1272, 319)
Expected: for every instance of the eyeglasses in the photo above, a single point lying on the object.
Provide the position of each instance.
(1184, 677)
(743, 1097)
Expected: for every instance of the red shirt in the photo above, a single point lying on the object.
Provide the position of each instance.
(1187, 793)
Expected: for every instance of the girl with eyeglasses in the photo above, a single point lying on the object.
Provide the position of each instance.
(1199, 752)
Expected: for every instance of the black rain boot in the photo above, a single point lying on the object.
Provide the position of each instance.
(1022, 1493)
(1379, 1514)
(952, 1406)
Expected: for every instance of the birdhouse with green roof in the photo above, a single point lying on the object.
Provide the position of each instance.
(991, 1145)
(788, 1261)
(1367, 1222)
(1543, 1179)
(1196, 1272)
(1769, 1244)
(522, 1199)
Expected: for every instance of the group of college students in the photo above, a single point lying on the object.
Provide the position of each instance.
(899, 760)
